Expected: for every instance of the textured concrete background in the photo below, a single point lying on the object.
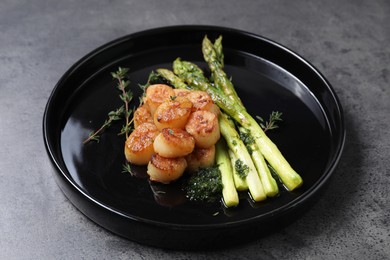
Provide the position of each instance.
(349, 41)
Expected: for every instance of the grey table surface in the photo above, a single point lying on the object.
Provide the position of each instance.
(348, 41)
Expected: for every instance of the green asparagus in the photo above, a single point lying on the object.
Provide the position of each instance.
(269, 184)
(239, 181)
(236, 145)
(214, 58)
(219, 50)
(215, 61)
(268, 149)
(229, 192)
(172, 78)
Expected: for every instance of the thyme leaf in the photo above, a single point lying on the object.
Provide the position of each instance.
(123, 112)
(274, 117)
(126, 96)
(126, 168)
(112, 116)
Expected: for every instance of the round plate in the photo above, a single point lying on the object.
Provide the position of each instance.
(267, 76)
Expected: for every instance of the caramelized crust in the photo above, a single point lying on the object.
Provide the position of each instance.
(173, 142)
(204, 127)
(142, 115)
(156, 94)
(200, 100)
(166, 170)
(181, 92)
(200, 157)
(173, 113)
(139, 145)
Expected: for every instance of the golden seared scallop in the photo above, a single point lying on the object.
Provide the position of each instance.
(139, 145)
(200, 100)
(166, 170)
(173, 142)
(142, 115)
(215, 109)
(173, 113)
(200, 158)
(203, 126)
(179, 92)
(157, 94)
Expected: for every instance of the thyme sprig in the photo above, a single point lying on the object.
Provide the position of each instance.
(122, 112)
(153, 76)
(126, 168)
(112, 116)
(274, 117)
(126, 96)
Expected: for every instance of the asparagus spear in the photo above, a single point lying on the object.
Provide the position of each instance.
(268, 149)
(229, 192)
(215, 61)
(172, 78)
(269, 184)
(245, 163)
(196, 81)
(239, 178)
(219, 50)
(239, 182)
(213, 55)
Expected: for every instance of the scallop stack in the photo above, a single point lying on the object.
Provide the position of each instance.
(175, 131)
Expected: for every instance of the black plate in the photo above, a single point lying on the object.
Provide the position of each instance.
(267, 76)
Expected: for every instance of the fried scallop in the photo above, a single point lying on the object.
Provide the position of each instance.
(200, 158)
(179, 92)
(173, 113)
(142, 115)
(200, 100)
(215, 109)
(156, 94)
(139, 145)
(204, 127)
(173, 142)
(166, 170)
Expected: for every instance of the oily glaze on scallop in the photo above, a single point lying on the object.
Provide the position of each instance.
(204, 127)
(156, 94)
(173, 142)
(200, 158)
(173, 113)
(139, 145)
(166, 170)
(200, 100)
(142, 115)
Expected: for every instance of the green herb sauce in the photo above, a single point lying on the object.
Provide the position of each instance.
(204, 185)
(241, 168)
